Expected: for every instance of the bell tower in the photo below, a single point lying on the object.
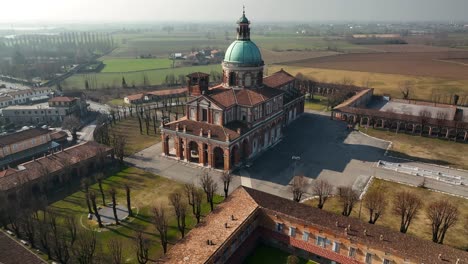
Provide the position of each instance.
(243, 31)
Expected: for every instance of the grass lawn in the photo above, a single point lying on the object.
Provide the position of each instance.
(457, 236)
(148, 190)
(319, 103)
(382, 83)
(271, 255)
(154, 77)
(136, 141)
(126, 65)
(425, 149)
(117, 102)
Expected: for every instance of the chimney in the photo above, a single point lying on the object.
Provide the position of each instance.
(365, 232)
(381, 237)
(439, 256)
(336, 223)
(185, 129)
(209, 133)
(201, 132)
(232, 218)
(225, 225)
(346, 231)
(349, 227)
(239, 131)
(458, 261)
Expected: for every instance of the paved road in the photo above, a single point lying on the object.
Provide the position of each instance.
(327, 150)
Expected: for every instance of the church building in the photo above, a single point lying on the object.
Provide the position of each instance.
(232, 122)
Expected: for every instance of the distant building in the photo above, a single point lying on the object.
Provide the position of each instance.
(248, 218)
(27, 96)
(386, 36)
(156, 95)
(24, 145)
(52, 112)
(51, 171)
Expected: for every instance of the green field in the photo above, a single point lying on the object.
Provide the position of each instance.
(127, 65)
(318, 103)
(148, 190)
(271, 255)
(109, 80)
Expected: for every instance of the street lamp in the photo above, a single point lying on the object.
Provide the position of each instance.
(295, 158)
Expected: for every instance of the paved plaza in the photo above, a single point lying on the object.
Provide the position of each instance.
(326, 150)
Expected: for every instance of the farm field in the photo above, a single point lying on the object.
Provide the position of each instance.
(432, 150)
(410, 48)
(147, 190)
(457, 236)
(423, 87)
(128, 65)
(155, 77)
(429, 64)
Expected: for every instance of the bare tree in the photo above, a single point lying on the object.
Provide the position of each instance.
(44, 236)
(405, 88)
(85, 247)
(142, 248)
(190, 192)
(99, 178)
(129, 204)
(227, 178)
(161, 223)
(442, 214)
(322, 189)
(209, 187)
(375, 202)
(180, 208)
(424, 116)
(119, 143)
(115, 248)
(92, 197)
(85, 186)
(406, 205)
(71, 226)
(113, 193)
(197, 201)
(28, 225)
(61, 248)
(72, 124)
(298, 187)
(348, 198)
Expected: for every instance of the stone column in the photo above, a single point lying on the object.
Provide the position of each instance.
(398, 127)
(227, 160)
(430, 131)
(186, 150)
(466, 136)
(165, 146)
(178, 147)
(201, 154)
(210, 157)
(448, 133)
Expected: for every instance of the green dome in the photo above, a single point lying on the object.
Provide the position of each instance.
(243, 20)
(243, 52)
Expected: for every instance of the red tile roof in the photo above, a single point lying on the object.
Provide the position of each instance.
(244, 203)
(11, 252)
(245, 97)
(193, 127)
(32, 170)
(62, 99)
(7, 172)
(278, 79)
(21, 136)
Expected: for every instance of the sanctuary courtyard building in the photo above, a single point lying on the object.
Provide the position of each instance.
(234, 121)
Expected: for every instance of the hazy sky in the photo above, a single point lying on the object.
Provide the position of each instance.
(229, 10)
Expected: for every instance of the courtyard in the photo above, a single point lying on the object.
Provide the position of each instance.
(326, 150)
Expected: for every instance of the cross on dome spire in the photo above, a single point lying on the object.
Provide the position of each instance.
(243, 31)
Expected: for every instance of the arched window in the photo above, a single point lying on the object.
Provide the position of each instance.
(248, 80)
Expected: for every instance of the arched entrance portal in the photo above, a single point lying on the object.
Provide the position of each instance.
(194, 155)
(235, 156)
(218, 158)
(245, 153)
